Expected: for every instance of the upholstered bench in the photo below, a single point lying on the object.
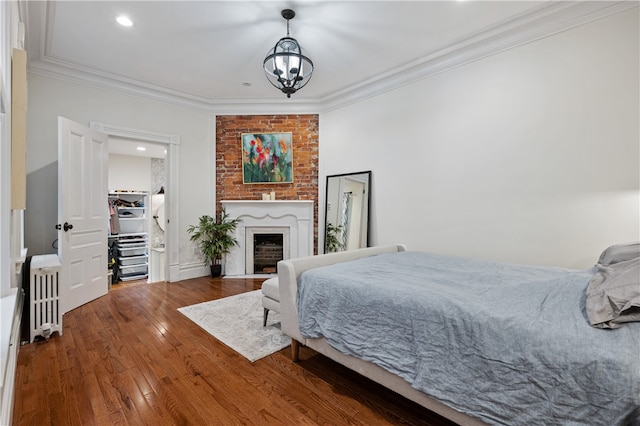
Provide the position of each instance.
(270, 297)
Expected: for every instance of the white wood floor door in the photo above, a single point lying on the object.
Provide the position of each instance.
(83, 213)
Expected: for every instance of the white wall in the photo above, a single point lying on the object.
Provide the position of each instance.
(50, 98)
(127, 172)
(6, 257)
(529, 156)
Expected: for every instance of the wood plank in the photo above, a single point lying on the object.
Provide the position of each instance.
(131, 358)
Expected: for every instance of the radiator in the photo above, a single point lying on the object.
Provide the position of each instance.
(45, 317)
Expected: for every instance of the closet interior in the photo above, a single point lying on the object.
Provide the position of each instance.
(136, 202)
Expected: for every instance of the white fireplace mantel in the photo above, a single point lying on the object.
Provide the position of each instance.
(297, 215)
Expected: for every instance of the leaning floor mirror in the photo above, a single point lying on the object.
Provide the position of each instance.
(346, 213)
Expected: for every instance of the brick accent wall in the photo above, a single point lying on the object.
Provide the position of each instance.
(304, 129)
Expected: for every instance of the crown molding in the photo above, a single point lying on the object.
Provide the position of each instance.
(72, 74)
(546, 20)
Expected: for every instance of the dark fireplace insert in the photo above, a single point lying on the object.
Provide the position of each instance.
(267, 251)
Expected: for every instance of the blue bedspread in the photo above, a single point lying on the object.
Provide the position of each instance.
(509, 344)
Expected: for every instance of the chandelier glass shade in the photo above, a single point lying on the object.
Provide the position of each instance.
(287, 66)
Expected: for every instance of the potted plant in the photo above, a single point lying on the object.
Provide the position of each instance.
(332, 242)
(214, 236)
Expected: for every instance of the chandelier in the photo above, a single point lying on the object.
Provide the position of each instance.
(287, 65)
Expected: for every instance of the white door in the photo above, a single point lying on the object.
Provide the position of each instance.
(82, 213)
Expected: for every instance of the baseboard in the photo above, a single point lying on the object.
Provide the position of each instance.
(187, 271)
(265, 276)
(193, 270)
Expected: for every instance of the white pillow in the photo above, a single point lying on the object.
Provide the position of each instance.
(620, 253)
(613, 294)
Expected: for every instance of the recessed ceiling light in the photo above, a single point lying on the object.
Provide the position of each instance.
(141, 148)
(124, 21)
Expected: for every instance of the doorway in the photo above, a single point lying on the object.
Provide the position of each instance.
(136, 182)
(163, 212)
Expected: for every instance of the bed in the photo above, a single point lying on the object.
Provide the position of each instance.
(477, 342)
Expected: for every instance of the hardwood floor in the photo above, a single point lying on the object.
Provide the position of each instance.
(130, 358)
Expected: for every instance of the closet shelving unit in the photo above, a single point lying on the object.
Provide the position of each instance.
(131, 240)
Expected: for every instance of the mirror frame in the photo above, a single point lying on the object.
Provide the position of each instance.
(366, 217)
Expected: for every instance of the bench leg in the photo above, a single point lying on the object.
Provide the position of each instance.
(295, 350)
(266, 313)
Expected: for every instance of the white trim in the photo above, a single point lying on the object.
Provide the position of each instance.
(4, 97)
(6, 259)
(11, 318)
(262, 276)
(172, 201)
(251, 231)
(172, 211)
(193, 270)
(11, 227)
(130, 133)
(297, 215)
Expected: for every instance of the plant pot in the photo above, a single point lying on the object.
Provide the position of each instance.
(216, 270)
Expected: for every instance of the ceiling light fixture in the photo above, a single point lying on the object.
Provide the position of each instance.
(124, 21)
(287, 65)
(141, 148)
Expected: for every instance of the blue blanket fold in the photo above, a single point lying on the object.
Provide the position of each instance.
(509, 344)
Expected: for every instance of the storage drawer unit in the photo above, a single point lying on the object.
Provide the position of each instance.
(133, 260)
(134, 272)
(132, 250)
(129, 234)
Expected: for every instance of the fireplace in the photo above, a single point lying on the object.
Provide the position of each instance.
(264, 247)
(267, 251)
(293, 219)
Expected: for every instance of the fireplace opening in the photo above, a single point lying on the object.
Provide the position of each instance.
(268, 250)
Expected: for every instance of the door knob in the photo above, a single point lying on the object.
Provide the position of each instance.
(66, 226)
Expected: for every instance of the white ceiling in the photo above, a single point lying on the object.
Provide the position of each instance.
(201, 53)
(136, 148)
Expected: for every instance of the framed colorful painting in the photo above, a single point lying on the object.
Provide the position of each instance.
(267, 158)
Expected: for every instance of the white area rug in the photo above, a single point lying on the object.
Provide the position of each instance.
(237, 322)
